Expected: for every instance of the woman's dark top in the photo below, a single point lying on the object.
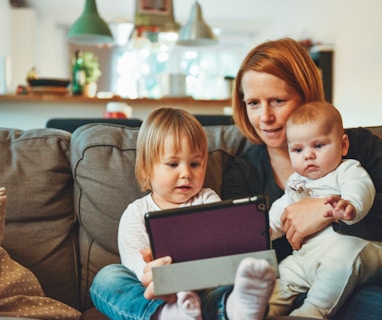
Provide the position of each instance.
(251, 174)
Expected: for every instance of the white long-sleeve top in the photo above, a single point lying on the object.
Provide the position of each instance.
(350, 181)
(132, 233)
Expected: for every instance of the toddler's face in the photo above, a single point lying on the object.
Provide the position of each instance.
(178, 175)
(313, 151)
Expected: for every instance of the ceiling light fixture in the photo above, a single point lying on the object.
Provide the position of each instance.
(196, 32)
(90, 28)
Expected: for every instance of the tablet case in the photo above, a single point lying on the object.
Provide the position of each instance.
(210, 230)
(207, 242)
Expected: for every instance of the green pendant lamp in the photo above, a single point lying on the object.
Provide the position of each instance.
(90, 28)
(196, 32)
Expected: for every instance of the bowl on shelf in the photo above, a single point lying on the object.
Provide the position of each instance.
(48, 82)
(52, 86)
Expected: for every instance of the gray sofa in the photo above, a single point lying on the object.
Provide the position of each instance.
(66, 193)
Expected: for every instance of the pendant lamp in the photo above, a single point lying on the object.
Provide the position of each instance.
(196, 32)
(90, 28)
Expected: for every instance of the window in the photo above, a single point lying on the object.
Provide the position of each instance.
(150, 65)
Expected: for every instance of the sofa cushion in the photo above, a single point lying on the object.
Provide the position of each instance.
(36, 171)
(103, 161)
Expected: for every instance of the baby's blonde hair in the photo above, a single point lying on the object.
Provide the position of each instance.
(162, 124)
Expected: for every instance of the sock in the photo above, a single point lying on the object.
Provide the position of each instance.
(253, 286)
(187, 307)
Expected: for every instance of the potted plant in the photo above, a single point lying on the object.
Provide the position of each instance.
(92, 73)
(88, 65)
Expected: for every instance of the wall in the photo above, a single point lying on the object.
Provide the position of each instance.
(354, 28)
(5, 44)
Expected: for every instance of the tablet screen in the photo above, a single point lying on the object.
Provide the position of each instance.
(212, 230)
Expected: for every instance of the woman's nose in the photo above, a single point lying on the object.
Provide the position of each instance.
(266, 113)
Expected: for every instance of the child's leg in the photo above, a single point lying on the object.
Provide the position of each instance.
(347, 262)
(187, 307)
(253, 286)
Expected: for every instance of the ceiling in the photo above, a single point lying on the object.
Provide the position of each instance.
(115, 10)
(110, 9)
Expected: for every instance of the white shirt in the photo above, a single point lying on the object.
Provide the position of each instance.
(350, 181)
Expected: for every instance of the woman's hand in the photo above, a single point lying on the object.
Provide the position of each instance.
(304, 218)
(147, 279)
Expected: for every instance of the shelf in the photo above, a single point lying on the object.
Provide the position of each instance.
(34, 110)
(74, 99)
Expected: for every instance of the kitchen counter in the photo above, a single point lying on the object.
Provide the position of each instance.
(34, 110)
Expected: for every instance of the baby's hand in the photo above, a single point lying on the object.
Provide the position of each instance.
(339, 208)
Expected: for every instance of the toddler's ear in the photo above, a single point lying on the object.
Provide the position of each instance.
(345, 144)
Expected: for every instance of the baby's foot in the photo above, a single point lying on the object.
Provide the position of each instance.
(253, 286)
(187, 307)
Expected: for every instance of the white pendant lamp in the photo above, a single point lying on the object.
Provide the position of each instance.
(196, 32)
(90, 28)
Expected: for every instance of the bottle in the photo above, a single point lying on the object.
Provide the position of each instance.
(78, 74)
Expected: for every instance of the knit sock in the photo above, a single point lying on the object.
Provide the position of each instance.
(187, 307)
(253, 286)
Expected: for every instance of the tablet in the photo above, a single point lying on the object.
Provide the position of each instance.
(212, 230)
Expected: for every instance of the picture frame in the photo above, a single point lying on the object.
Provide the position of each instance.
(154, 7)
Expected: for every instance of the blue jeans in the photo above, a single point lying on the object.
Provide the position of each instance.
(364, 304)
(117, 293)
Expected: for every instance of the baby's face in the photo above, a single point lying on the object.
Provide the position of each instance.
(313, 150)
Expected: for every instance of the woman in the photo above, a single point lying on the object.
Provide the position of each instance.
(274, 79)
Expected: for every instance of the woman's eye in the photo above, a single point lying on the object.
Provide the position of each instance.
(252, 104)
(278, 102)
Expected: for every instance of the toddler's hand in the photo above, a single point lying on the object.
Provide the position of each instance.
(147, 279)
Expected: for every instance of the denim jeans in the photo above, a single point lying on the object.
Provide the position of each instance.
(364, 304)
(117, 293)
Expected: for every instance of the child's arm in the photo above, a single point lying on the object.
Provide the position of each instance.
(340, 209)
(356, 186)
